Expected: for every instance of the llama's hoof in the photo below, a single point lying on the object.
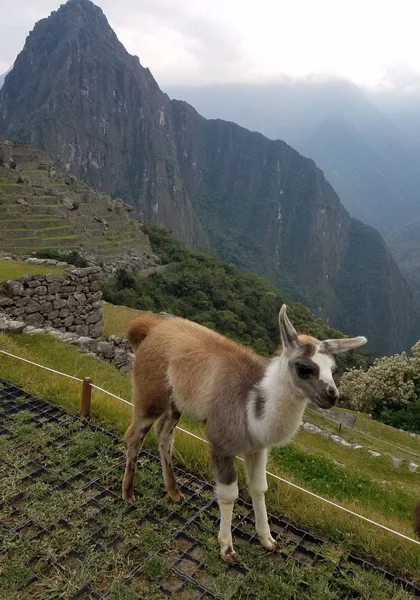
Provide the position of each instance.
(230, 556)
(128, 496)
(268, 542)
(175, 495)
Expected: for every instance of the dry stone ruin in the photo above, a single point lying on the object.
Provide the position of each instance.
(69, 303)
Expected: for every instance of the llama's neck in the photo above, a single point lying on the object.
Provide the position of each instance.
(276, 406)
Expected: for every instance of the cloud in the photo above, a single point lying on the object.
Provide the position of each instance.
(203, 41)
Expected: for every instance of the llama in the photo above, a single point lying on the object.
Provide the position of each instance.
(247, 402)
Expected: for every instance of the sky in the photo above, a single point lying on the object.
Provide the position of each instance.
(371, 42)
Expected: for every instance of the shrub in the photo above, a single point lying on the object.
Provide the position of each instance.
(389, 389)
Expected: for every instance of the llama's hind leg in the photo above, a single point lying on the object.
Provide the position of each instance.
(255, 467)
(165, 433)
(134, 438)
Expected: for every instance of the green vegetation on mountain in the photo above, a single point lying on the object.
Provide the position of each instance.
(202, 288)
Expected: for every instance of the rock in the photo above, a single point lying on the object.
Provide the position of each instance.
(311, 428)
(22, 201)
(68, 321)
(95, 286)
(374, 453)
(94, 317)
(33, 330)
(85, 343)
(397, 461)
(80, 297)
(51, 278)
(34, 261)
(14, 288)
(35, 319)
(339, 440)
(413, 467)
(41, 290)
(95, 297)
(32, 306)
(54, 287)
(70, 204)
(121, 358)
(6, 302)
(46, 307)
(96, 330)
(11, 326)
(22, 302)
(82, 330)
(106, 349)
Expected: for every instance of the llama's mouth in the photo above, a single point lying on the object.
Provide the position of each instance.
(323, 402)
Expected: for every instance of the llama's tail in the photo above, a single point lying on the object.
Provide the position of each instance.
(417, 520)
(139, 329)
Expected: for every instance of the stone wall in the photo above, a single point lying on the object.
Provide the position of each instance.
(70, 302)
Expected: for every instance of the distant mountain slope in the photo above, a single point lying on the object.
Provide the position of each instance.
(43, 207)
(363, 153)
(75, 91)
(404, 244)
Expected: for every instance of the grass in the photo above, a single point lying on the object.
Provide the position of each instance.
(310, 461)
(59, 539)
(13, 269)
(117, 318)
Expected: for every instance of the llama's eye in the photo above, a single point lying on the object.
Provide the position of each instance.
(304, 371)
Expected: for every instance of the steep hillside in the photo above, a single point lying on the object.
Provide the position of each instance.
(43, 207)
(75, 91)
(404, 244)
(362, 152)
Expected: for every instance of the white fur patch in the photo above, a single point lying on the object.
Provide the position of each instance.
(283, 407)
(326, 364)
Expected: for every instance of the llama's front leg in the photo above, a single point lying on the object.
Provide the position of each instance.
(227, 493)
(255, 465)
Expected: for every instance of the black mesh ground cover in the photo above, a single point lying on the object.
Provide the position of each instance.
(89, 533)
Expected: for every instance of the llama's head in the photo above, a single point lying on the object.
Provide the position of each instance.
(311, 362)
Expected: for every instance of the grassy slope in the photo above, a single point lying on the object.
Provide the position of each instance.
(367, 485)
(16, 268)
(268, 576)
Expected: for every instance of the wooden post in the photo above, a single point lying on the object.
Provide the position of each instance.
(339, 429)
(86, 397)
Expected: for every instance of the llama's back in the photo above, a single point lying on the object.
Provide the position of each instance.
(201, 367)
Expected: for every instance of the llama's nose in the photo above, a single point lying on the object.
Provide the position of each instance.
(332, 392)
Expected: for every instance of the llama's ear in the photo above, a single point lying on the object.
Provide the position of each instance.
(337, 346)
(288, 333)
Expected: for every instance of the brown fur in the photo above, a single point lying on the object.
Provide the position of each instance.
(139, 329)
(305, 340)
(417, 520)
